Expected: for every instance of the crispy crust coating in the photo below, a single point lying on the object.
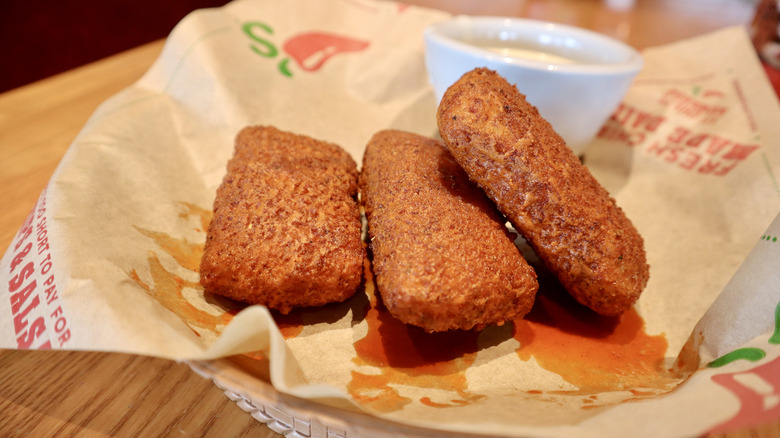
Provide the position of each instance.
(442, 257)
(286, 230)
(568, 218)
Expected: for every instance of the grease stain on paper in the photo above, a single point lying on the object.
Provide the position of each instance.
(592, 352)
(168, 287)
(595, 354)
(401, 355)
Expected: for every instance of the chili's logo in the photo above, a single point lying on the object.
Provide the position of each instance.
(309, 50)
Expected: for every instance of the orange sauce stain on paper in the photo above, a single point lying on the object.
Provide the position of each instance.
(168, 288)
(407, 355)
(257, 363)
(592, 352)
(595, 354)
(290, 325)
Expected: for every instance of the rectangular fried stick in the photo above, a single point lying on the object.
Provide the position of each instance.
(286, 230)
(442, 257)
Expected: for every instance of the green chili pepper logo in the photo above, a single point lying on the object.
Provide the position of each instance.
(757, 388)
(751, 354)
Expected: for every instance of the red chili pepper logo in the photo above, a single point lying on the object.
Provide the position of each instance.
(309, 50)
(758, 389)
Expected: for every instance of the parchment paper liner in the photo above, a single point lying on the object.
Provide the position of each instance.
(115, 236)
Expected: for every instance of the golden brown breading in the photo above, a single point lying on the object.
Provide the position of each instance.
(443, 258)
(286, 230)
(568, 218)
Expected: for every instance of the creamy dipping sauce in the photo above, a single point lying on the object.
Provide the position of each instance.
(532, 54)
(550, 54)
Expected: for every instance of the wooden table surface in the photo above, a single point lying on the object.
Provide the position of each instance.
(62, 393)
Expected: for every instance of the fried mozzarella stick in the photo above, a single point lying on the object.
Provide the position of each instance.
(442, 256)
(525, 167)
(286, 230)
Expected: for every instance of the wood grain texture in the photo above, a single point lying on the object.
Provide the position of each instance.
(69, 393)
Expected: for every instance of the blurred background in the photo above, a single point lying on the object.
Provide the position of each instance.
(39, 38)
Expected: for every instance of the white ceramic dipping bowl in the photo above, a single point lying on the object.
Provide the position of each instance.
(575, 77)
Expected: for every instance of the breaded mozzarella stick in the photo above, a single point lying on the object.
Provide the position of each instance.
(525, 167)
(286, 230)
(442, 256)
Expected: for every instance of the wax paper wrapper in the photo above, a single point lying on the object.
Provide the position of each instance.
(108, 258)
